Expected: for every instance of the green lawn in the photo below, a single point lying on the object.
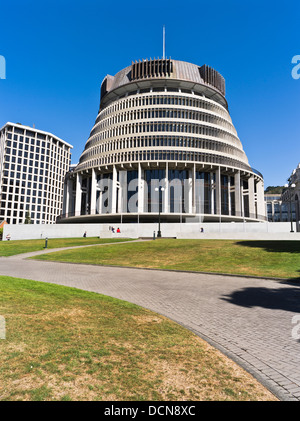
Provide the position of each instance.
(12, 247)
(279, 259)
(66, 344)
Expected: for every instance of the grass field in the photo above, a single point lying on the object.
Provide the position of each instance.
(67, 344)
(10, 248)
(279, 259)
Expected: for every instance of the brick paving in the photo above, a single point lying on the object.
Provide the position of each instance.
(248, 319)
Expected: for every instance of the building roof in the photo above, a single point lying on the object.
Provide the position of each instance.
(188, 74)
(35, 130)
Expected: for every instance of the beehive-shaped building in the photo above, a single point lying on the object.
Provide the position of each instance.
(163, 142)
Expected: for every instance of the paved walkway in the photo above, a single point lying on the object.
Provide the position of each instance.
(248, 319)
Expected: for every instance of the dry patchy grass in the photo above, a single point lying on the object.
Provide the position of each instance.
(67, 344)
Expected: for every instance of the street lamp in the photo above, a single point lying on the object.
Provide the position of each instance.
(292, 186)
(159, 189)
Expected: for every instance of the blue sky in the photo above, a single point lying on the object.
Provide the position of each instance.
(58, 52)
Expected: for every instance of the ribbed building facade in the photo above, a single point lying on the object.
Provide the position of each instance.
(163, 142)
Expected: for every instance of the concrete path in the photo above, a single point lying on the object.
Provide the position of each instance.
(248, 319)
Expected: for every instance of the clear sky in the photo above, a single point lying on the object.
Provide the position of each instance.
(58, 52)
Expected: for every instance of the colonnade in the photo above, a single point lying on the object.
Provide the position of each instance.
(217, 191)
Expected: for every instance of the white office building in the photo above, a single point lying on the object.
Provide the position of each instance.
(33, 164)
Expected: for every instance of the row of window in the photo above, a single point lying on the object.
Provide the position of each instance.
(17, 182)
(33, 220)
(27, 167)
(29, 185)
(144, 114)
(23, 214)
(10, 201)
(30, 133)
(29, 192)
(208, 178)
(36, 218)
(19, 141)
(25, 208)
(166, 99)
(163, 141)
(137, 128)
(38, 174)
(147, 156)
(39, 153)
(161, 126)
(36, 137)
(39, 160)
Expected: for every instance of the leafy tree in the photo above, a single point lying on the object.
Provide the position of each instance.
(274, 189)
(27, 218)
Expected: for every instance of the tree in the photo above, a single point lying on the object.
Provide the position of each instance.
(27, 218)
(274, 189)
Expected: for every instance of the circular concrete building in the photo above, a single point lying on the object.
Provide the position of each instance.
(163, 144)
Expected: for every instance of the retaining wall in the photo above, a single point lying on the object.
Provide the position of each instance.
(249, 230)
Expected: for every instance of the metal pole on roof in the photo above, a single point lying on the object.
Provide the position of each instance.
(164, 42)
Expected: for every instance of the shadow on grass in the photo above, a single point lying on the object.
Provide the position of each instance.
(287, 246)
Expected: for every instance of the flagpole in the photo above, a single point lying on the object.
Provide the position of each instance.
(164, 42)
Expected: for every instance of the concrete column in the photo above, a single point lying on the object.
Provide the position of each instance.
(200, 195)
(66, 198)
(114, 191)
(251, 196)
(212, 188)
(218, 191)
(78, 194)
(122, 204)
(166, 192)
(70, 197)
(229, 195)
(273, 211)
(189, 192)
(242, 201)
(194, 189)
(140, 189)
(261, 210)
(280, 212)
(93, 192)
(297, 215)
(237, 193)
(99, 204)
